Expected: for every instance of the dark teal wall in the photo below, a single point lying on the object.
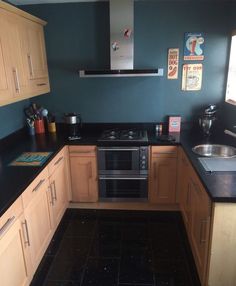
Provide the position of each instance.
(12, 117)
(77, 36)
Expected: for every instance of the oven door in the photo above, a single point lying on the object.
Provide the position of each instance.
(117, 160)
(123, 188)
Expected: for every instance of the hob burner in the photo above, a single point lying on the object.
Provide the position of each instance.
(124, 135)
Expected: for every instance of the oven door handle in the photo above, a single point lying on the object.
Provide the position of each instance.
(118, 149)
(122, 178)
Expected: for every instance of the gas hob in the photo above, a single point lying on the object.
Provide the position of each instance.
(127, 135)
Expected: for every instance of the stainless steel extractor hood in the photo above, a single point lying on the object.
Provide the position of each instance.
(121, 44)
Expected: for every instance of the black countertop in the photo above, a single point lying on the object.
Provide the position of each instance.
(221, 186)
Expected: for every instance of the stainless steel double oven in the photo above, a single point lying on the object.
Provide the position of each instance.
(123, 173)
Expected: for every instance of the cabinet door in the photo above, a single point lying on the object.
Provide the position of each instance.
(12, 53)
(184, 188)
(13, 255)
(200, 225)
(38, 225)
(58, 198)
(84, 179)
(163, 180)
(36, 52)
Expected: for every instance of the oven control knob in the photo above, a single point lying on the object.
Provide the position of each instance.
(143, 157)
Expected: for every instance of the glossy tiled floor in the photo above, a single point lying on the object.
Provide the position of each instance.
(120, 248)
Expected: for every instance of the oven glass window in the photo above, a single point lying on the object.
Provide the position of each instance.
(118, 160)
(118, 188)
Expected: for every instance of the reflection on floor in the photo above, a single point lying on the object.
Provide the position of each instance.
(120, 248)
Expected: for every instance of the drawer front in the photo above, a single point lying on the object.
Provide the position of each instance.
(164, 151)
(35, 187)
(83, 151)
(56, 161)
(12, 213)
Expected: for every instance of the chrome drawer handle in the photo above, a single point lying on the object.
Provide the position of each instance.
(16, 80)
(58, 160)
(30, 65)
(51, 194)
(6, 225)
(41, 84)
(27, 232)
(38, 185)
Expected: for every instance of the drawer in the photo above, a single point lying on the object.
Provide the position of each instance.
(35, 187)
(83, 151)
(56, 161)
(164, 151)
(12, 213)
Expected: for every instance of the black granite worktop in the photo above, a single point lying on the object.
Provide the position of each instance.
(221, 186)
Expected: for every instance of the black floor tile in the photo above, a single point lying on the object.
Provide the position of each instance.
(120, 248)
(80, 227)
(66, 270)
(73, 248)
(101, 272)
(136, 269)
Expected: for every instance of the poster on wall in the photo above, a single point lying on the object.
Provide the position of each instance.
(173, 63)
(193, 47)
(192, 77)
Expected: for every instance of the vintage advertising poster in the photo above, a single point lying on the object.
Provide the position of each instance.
(193, 47)
(173, 63)
(192, 77)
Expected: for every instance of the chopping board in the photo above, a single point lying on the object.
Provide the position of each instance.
(218, 164)
(31, 159)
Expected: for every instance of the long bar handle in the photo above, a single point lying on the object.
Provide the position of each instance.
(118, 149)
(203, 222)
(166, 152)
(59, 160)
(81, 152)
(27, 232)
(51, 194)
(38, 185)
(30, 65)
(122, 178)
(41, 84)
(6, 225)
(16, 80)
(55, 190)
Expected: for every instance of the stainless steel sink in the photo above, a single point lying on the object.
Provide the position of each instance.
(215, 150)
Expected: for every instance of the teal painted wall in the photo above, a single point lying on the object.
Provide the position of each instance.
(12, 117)
(77, 36)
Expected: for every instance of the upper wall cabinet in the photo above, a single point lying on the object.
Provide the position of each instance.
(23, 63)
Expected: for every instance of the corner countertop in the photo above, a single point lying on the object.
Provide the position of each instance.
(14, 180)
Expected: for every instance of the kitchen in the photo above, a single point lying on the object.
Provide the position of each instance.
(77, 37)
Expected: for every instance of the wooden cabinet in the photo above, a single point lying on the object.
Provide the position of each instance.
(195, 206)
(183, 186)
(199, 226)
(37, 217)
(15, 267)
(58, 188)
(23, 65)
(83, 167)
(14, 81)
(34, 56)
(162, 180)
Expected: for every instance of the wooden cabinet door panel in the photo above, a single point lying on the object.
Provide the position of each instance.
(84, 179)
(200, 225)
(36, 55)
(38, 224)
(163, 180)
(58, 193)
(13, 259)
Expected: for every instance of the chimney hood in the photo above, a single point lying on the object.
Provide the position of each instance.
(121, 44)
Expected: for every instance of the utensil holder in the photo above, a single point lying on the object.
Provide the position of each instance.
(39, 126)
(52, 127)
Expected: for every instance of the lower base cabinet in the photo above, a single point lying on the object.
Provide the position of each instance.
(14, 255)
(83, 167)
(37, 219)
(163, 172)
